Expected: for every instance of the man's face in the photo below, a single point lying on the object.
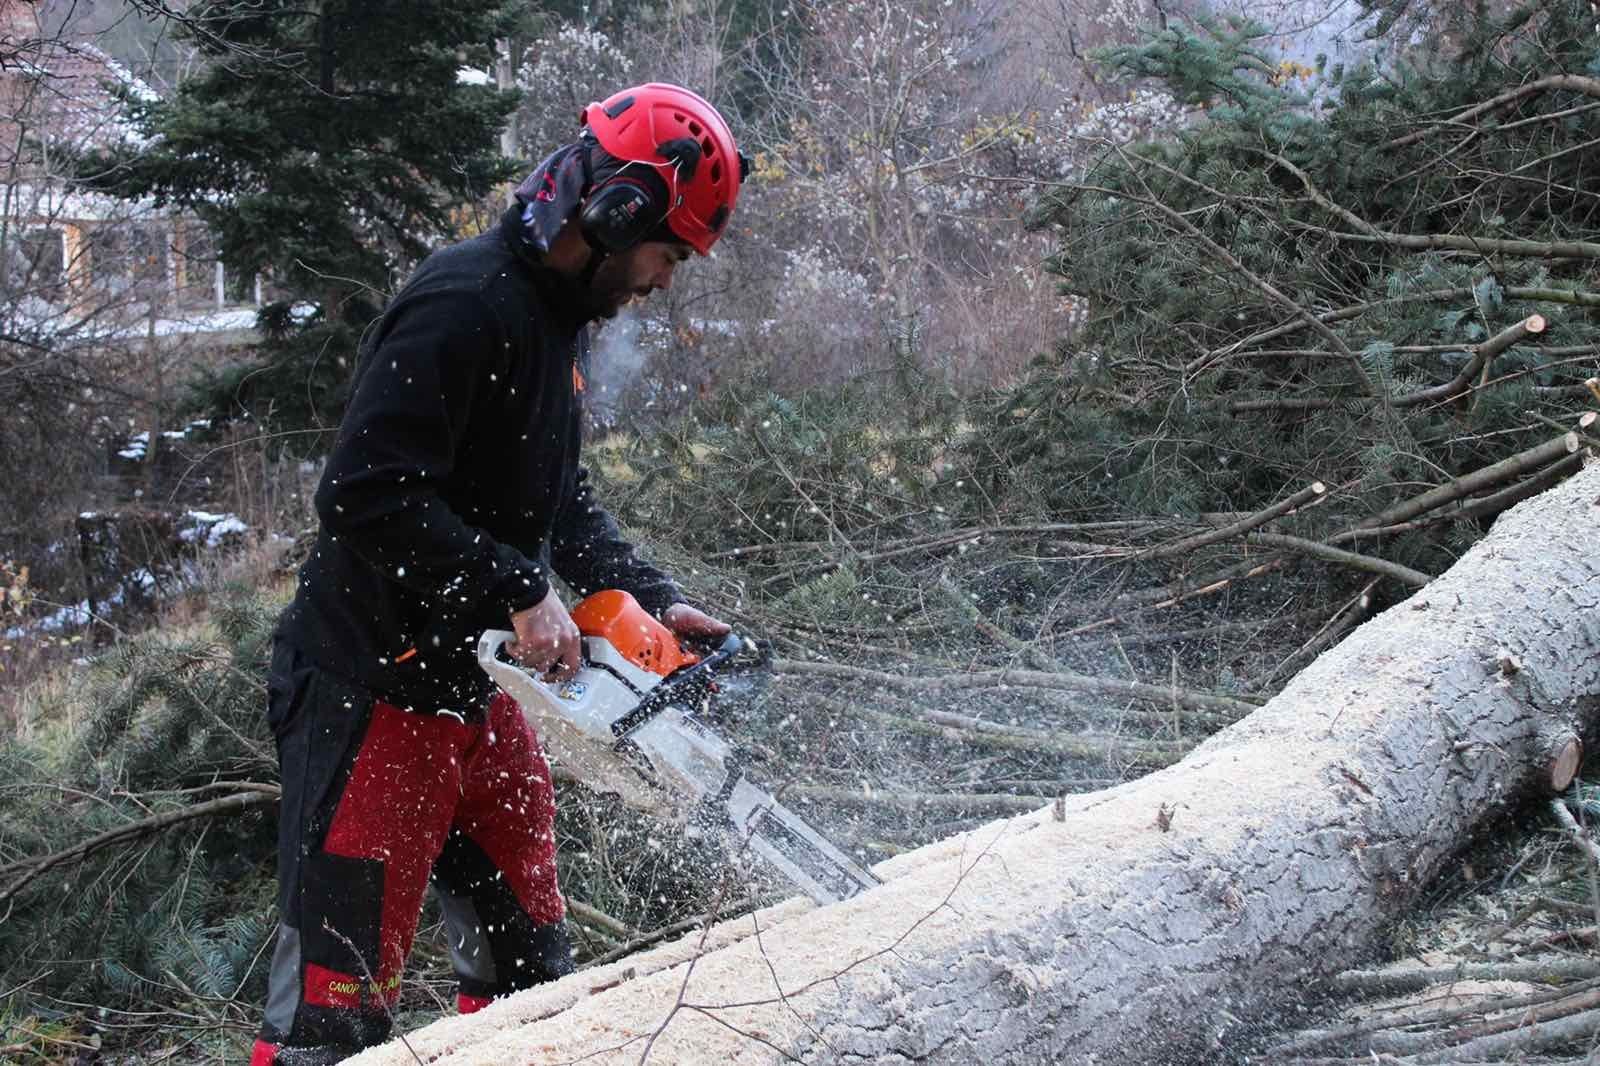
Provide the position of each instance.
(635, 274)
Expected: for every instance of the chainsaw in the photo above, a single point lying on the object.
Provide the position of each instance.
(632, 722)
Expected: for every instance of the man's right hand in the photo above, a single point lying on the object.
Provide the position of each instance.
(547, 639)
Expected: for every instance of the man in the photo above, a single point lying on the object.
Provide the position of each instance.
(452, 494)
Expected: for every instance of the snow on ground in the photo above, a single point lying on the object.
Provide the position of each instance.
(139, 444)
(73, 617)
(203, 530)
(211, 529)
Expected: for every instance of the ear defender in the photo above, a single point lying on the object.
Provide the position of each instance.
(623, 209)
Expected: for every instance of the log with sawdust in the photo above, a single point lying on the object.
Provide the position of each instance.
(1154, 921)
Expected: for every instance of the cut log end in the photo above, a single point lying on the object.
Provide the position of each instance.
(1587, 419)
(1318, 488)
(1534, 323)
(1566, 756)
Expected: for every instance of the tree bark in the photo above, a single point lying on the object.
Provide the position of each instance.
(1154, 921)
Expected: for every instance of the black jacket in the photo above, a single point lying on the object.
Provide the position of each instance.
(454, 486)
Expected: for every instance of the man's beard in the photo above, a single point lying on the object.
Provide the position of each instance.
(608, 290)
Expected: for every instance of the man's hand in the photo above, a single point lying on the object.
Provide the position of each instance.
(690, 623)
(547, 639)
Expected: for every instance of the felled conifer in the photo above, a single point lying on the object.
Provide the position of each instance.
(1292, 285)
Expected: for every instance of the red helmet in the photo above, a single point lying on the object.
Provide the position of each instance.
(680, 134)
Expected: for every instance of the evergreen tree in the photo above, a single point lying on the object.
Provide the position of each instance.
(328, 146)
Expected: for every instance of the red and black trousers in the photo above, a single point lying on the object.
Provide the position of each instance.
(379, 802)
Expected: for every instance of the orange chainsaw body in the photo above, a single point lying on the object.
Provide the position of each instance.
(616, 617)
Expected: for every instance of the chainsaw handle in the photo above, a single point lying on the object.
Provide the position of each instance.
(501, 670)
(731, 645)
(533, 694)
(491, 642)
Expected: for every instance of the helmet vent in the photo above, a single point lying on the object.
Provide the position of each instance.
(694, 128)
(716, 172)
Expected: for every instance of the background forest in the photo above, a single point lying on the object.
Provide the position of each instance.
(1073, 374)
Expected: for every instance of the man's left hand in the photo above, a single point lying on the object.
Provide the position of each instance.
(691, 623)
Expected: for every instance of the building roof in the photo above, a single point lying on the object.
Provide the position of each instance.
(56, 94)
(54, 87)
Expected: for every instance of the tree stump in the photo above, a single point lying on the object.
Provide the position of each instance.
(1155, 921)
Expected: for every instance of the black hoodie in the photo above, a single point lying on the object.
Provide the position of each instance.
(454, 486)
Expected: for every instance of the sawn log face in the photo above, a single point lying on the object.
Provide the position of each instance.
(1150, 922)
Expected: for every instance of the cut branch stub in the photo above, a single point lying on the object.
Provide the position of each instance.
(1566, 755)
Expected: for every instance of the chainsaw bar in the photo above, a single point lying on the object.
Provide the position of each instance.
(623, 730)
(784, 839)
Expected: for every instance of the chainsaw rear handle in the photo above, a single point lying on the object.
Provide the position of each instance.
(490, 646)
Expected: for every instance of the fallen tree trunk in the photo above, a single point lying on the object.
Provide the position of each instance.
(1154, 921)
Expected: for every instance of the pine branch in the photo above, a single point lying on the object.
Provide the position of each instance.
(946, 725)
(1312, 492)
(1344, 619)
(942, 541)
(655, 936)
(957, 802)
(1532, 294)
(1266, 287)
(595, 916)
(256, 795)
(1450, 242)
(1495, 502)
(1569, 82)
(1524, 462)
(1302, 546)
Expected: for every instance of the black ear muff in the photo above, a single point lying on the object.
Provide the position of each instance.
(623, 209)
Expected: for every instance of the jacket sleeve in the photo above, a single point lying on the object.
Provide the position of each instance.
(400, 438)
(587, 549)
